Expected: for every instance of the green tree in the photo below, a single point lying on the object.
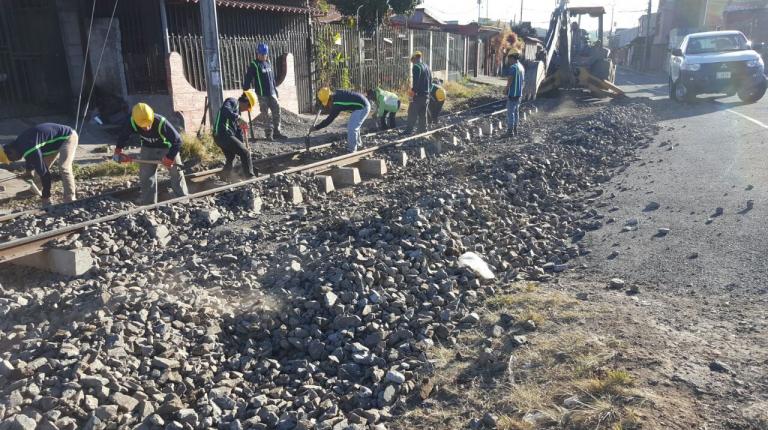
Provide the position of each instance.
(371, 9)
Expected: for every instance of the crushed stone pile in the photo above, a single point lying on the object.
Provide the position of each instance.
(248, 311)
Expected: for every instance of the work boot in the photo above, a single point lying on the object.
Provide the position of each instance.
(226, 174)
(268, 135)
(279, 135)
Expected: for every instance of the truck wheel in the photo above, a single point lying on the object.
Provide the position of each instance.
(680, 92)
(672, 90)
(754, 94)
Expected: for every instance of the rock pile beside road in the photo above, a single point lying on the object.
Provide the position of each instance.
(319, 314)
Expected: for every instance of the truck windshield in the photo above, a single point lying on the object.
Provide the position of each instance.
(722, 43)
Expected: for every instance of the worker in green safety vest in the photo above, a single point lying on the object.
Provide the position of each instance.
(387, 105)
(159, 142)
(40, 146)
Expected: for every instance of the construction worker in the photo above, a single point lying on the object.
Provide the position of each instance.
(228, 133)
(160, 143)
(339, 101)
(437, 96)
(387, 105)
(262, 76)
(40, 146)
(419, 94)
(515, 74)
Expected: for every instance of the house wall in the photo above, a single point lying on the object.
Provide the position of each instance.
(188, 103)
(753, 23)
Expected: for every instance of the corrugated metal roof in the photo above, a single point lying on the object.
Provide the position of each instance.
(268, 7)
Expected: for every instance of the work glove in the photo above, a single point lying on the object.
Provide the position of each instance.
(168, 162)
(120, 157)
(243, 126)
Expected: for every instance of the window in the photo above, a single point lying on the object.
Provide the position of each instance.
(721, 43)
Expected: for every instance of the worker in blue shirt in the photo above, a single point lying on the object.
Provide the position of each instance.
(515, 74)
(339, 101)
(159, 142)
(40, 146)
(262, 76)
(421, 78)
(228, 133)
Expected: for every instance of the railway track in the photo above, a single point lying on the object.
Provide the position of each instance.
(283, 164)
(268, 165)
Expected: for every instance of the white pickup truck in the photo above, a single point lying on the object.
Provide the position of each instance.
(716, 62)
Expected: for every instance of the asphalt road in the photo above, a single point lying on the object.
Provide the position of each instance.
(708, 154)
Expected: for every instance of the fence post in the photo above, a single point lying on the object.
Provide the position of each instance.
(430, 49)
(361, 63)
(410, 55)
(447, 56)
(465, 69)
(378, 47)
(477, 56)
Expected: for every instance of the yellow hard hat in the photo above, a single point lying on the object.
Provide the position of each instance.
(3, 156)
(513, 51)
(250, 96)
(416, 54)
(440, 94)
(324, 94)
(143, 115)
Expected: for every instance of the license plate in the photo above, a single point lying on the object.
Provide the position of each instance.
(723, 75)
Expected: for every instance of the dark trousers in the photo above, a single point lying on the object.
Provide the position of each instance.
(232, 147)
(267, 105)
(387, 121)
(417, 112)
(435, 107)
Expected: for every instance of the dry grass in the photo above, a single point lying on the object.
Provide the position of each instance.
(539, 307)
(105, 169)
(565, 377)
(202, 149)
(462, 89)
(458, 91)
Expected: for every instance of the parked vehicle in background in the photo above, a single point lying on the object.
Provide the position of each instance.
(716, 62)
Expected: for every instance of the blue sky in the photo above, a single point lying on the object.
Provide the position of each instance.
(626, 12)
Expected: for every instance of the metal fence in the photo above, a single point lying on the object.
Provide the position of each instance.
(33, 73)
(362, 61)
(344, 56)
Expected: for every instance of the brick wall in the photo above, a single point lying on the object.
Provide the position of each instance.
(189, 103)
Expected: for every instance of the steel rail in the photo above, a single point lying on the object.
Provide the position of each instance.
(24, 246)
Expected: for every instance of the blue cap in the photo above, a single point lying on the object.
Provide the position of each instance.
(262, 49)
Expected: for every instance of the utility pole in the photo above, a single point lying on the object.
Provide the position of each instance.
(211, 56)
(648, 38)
(521, 11)
(311, 63)
(704, 16)
(613, 9)
(479, 10)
